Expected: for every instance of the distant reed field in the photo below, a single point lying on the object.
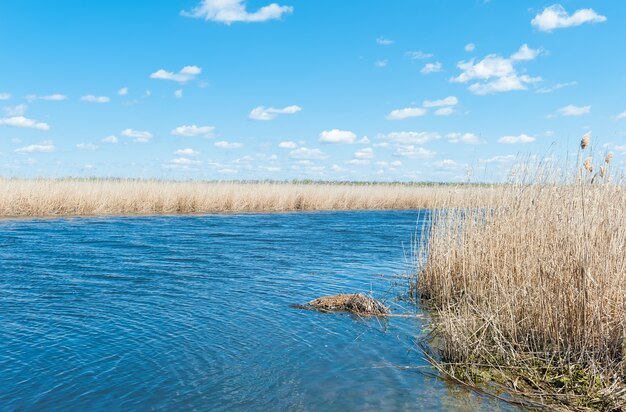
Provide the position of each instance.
(531, 293)
(102, 197)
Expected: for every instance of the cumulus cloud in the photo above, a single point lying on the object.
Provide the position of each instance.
(418, 55)
(572, 110)
(227, 145)
(269, 113)
(139, 136)
(365, 153)
(231, 11)
(44, 147)
(193, 131)
(448, 101)
(110, 139)
(178, 93)
(5, 96)
(95, 99)
(185, 74)
(556, 17)
(522, 138)
(412, 137)
(384, 42)
(186, 152)
(306, 153)
(431, 68)
(444, 111)
(469, 47)
(467, 138)
(86, 146)
(21, 121)
(288, 145)
(400, 114)
(183, 161)
(337, 136)
(52, 97)
(414, 152)
(495, 74)
(337, 168)
(364, 140)
(123, 91)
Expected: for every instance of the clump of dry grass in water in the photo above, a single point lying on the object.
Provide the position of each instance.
(355, 303)
(531, 293)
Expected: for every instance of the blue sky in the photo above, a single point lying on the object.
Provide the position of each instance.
(330, 90)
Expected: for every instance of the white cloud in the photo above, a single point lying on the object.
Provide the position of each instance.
(360, 162)
(139, 136)
(381, 63)
(178, 93)
(86, 146)
(571, 110)
(448, 101)
(495, 73)
(431, 68)
(470, 47)
(187, 152)
(183, 161)
(467, 138)
(95, 99)
(230, 11)
(447, 164)
(337, 136)
(412, 137)
(269, 113)
(18, 110)
(288, 145)
(193, 131)
(306, 153)
(21, 121)
(522, 138)
(110, 139)
(621, 116)
(52, 97)
(123, 91)
(400, 114)
(384, 42)
(337, 168)
(556, 17)
(43, 147)
(526, 53)
(418, 55)
(499, 159)
(444, 111)
(185, 74)
(5, 96)
(557, 86)
(414, 152)
(365, 153)
(364, 140)
(227, 145)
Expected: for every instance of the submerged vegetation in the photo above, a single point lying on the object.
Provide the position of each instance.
(529, 295)
(103, 197)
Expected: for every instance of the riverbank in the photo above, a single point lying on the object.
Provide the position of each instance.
(530, 296)
(114, 197)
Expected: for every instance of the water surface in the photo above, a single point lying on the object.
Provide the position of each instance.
(191, 313)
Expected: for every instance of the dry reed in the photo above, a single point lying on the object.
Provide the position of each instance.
(102, 197)
(529, 293)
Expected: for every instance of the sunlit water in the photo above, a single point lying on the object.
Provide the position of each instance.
(192, 313)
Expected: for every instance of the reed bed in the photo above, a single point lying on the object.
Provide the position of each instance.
(529, 293)
(102, 197)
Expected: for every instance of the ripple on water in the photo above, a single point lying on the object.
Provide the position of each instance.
(191, 313)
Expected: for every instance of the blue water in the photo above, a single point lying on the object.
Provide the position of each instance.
(192, 313)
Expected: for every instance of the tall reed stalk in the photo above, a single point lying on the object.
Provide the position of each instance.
(529, 292)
